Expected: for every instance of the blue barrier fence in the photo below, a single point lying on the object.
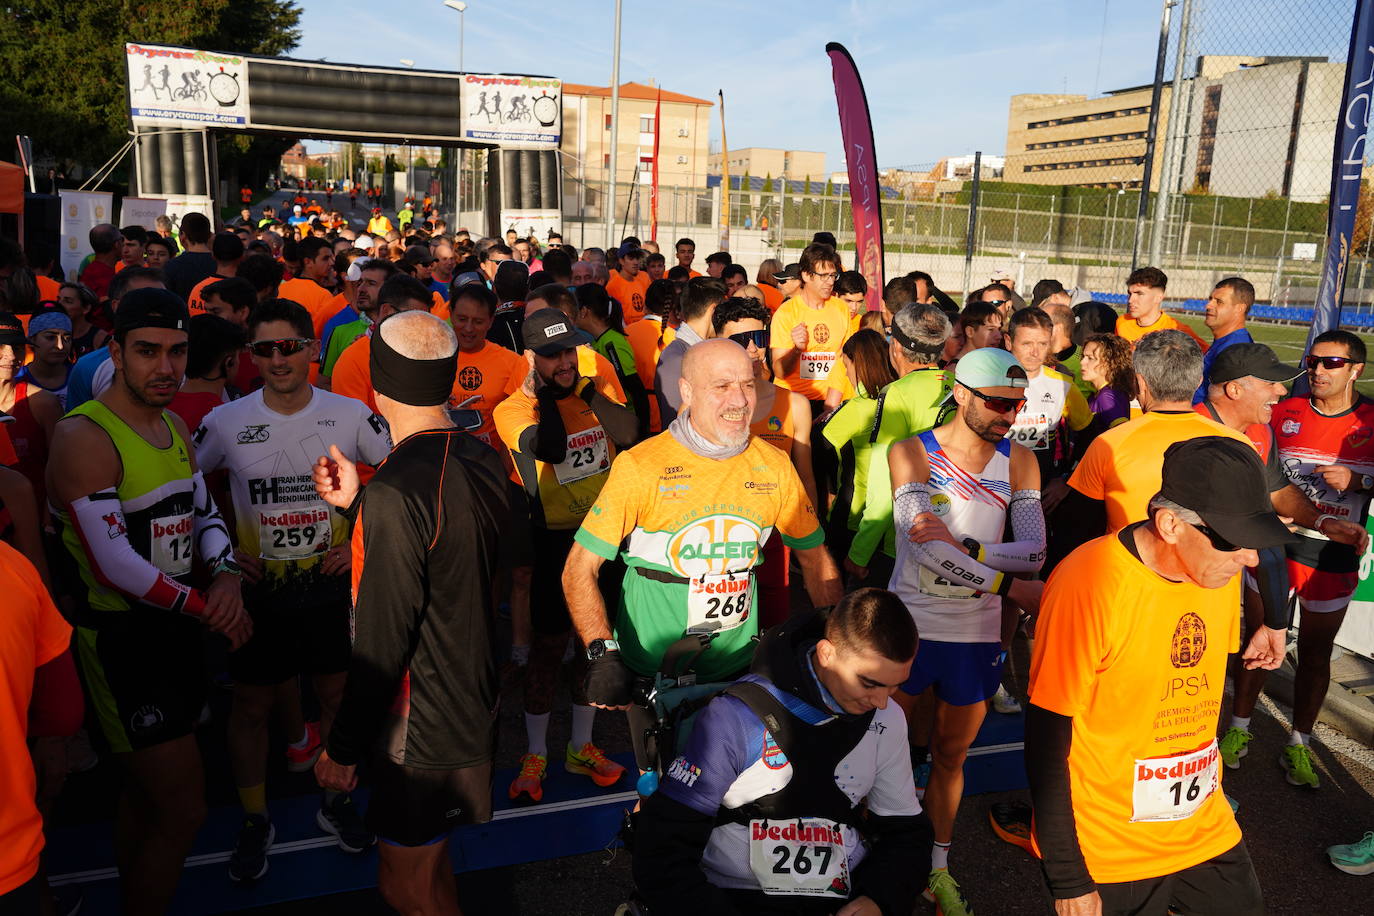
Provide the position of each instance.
(1357, 318)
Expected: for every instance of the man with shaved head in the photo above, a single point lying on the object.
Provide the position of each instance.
(431, 519)
(691, 554)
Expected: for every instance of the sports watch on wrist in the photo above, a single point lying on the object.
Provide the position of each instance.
(1366, 483)
(598, 648)
(228, 565)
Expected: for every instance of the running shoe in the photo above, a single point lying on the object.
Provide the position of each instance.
(1296, 761)
(340, 818)
(303, 759)
(1354, 858)
(248, 861)
(1011, 821)
(530, 782)
(1233, 746)
(592, 761)
(1005, 703)
(921, 772)
(944, 892)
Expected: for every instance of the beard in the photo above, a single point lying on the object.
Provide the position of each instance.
(989, 430)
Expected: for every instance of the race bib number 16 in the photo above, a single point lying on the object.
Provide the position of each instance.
(1173, 788)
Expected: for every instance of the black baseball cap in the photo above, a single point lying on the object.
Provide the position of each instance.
(152, 307)
(549, 332)
(419, 254)
(790, 272)
(12, 332)
(1242, 359)
(1222, 480)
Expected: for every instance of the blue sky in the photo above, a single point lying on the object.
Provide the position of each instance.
(939, 75)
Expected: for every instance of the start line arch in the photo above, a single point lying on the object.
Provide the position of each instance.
(179, 96)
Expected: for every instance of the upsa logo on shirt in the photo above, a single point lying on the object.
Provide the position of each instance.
(1189, 641)
(712, 545)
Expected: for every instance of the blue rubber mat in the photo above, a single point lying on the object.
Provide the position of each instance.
(575, 817)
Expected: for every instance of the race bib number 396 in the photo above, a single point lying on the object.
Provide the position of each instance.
(816, 364)
(1173, 788)
(799, 858)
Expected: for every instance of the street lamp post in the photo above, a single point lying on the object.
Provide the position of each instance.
(461, 7)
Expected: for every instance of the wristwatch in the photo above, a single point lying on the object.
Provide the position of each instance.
(597, 648)
(228, 565)
(1366, 483)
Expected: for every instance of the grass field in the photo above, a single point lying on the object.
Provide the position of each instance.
(1286, 340)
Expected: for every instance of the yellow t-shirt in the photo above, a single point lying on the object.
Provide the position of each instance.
(827, 328)
(1122, 466)
(687, 523)
(1139, 664)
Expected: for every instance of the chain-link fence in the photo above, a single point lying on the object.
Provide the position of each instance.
(1239, 178)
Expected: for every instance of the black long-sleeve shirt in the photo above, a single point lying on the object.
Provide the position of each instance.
(422, 683)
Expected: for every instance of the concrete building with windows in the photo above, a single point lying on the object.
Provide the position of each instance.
(794, 165)
(586, 144)
(1249, 126)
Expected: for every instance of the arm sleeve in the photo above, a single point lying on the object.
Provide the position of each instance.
(212, 537)
(1271, 575)
(942, 557)
(1049, 737)
(1027, 552)
(619, 421)
(99, 522)
(550, 435)
(390, 598)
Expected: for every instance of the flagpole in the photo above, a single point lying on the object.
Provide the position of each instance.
(724, 179)
(615, 128)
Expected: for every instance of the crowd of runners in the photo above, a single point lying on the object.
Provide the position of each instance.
(319, 465)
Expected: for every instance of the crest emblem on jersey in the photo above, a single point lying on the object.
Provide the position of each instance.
(773, 757)
(774, 425)
(470, 377)
(145, 718)
(1290, 427)
(939, 503)
(822, 333)
(1359, 436)
(1189, 642)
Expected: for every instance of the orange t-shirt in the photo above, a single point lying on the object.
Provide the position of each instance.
(591, 364)
(318, 301)
(630, 294)
(827, 329)
(776, 428)
(440, 307)
(352, 376)
(772, 296)
(1122, 466)
(1139, 664)
(32, 633)
(1129, 329)
(48, 288)
(196, 300)
(646, 340)
(491, 374)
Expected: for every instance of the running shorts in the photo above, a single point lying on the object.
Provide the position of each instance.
(144, 674)
(411, 806)
(963, 673)
(1321, 592)
(289, 640)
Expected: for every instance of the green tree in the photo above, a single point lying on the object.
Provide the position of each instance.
(63, 72)
(421, 162)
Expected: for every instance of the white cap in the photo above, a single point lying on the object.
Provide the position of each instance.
(363, 241)
(297, 208)
(1000, 273)
(355, 270)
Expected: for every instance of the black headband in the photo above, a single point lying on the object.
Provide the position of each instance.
(417, 382)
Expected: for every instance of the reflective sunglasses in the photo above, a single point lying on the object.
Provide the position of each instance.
(1327, 362)
(1218, 542)
(998, 405)
(287, 346)
(757, 338)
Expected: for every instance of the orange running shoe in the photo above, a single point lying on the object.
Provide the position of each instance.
(531, 779)
(592, 761)
(301, 761)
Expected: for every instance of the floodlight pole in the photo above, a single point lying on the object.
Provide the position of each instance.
(1169, 173)
(615, 128)
(1151, 133)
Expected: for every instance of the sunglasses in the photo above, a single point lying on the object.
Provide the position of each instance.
(995, 302)
(995, 404)
(287, 346)
(757, 338)
(1327, 362)
(1218, 542)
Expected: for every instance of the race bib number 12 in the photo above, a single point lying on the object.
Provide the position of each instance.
(799, 858)
(171, 544)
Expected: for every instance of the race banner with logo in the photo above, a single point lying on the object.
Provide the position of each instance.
(180, 87)
(514, 112)
(141, 211)
(1347, 167)
(856, 128)
(537, 223)
(82, 211)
